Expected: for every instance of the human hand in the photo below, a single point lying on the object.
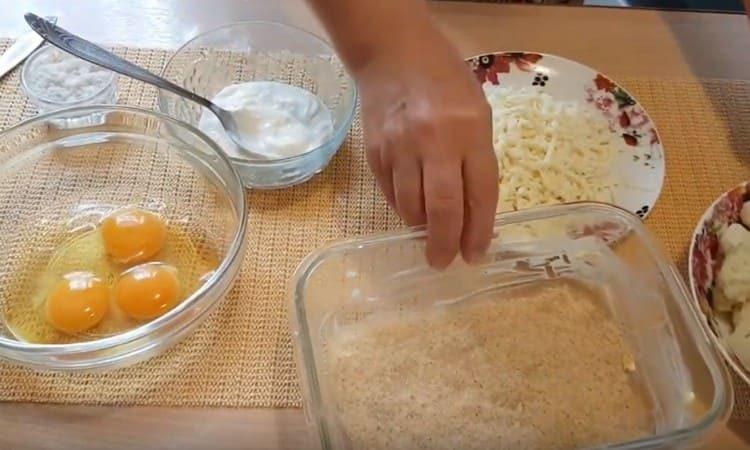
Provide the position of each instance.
(429, 143)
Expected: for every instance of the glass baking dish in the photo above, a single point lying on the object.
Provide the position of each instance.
(358, 282)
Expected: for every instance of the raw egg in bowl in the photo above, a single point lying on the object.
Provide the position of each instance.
(119, 237)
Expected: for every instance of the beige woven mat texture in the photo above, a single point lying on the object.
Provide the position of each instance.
(242, 355)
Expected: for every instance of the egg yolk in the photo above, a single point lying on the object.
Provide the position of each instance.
(133, 235)
(147, 291)
(77, 303)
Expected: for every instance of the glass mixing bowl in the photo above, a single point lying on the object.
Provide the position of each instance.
(345, 288)
(264, 51)
(58, 183)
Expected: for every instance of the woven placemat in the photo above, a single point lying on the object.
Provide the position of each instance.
(705, 130)
(242, 355)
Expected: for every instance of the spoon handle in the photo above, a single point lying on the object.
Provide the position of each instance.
(94, 54)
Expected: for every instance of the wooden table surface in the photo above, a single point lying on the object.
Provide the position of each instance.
(615, 41)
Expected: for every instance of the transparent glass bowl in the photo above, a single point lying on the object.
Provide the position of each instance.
(362, 280)
(56, 183)
(264, 51)
(105, 95)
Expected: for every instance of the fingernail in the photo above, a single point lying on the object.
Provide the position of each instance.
(438, 262)
(474, 258)
(476, 255)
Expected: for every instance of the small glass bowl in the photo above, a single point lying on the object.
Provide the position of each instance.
(57, 183)
(264, 51)
(106, 95)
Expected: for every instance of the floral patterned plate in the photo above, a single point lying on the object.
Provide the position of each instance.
(705, 262)
(640, 161)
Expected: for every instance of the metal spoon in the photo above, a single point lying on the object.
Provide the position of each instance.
(94, 54)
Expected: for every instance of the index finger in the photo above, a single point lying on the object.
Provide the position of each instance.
(444, 207)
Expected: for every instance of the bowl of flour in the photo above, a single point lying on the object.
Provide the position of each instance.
(54, 80)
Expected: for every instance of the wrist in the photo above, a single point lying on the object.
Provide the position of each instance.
(394, 48)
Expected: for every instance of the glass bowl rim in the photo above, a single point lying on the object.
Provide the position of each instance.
(341, 128)
(234, 251)
(35, 95)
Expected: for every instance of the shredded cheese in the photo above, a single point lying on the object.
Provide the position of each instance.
(549, 151)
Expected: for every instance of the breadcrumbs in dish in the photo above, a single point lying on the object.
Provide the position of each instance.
(528, 368)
